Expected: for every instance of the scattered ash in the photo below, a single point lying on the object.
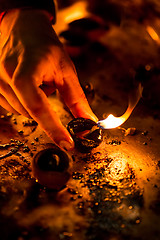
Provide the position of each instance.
(4, 146)
(36, 139)
(6, 117)
(29, 122)
(26, 149)
(77, 175)
(15, 169)
(130, 131)
(145, 133)
(20, 132)
(114, 197)
(115, 142)
(13, 147)
(13, 164)
(105, 191)
(15, 121)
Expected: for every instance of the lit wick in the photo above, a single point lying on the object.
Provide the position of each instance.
(113, 122)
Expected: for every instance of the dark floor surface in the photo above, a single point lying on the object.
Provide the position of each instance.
(114, 191)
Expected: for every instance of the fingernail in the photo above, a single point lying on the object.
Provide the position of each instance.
(68, 146)
(94, 118)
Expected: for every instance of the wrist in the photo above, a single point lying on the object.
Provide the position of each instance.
(28, 11)
(26, 17)
(48, 5)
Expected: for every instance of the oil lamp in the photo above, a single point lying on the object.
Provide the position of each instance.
(52, 167)
(85, 133)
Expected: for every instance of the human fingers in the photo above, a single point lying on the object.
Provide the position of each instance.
(10, 100)
(37, 105)
(4, 103)
(71, 91)
(47, 89)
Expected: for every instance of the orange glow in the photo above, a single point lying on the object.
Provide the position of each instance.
(153, 33)
(113, 122)
(116, 166)
(74, 12)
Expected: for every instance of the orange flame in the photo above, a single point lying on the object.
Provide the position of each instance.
(74, 12)
(113, 122)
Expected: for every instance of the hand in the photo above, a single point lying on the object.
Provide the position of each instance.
(33, 64)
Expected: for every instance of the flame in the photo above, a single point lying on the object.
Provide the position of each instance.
(74, 12)
(113, 122)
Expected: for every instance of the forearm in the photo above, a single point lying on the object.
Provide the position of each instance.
(48, 5)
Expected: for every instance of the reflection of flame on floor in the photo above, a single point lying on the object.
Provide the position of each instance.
(117, 169)
(112, 189)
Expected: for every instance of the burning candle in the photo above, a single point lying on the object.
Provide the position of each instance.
(113, 122)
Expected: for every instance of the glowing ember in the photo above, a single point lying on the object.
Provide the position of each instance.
(113, 122)
(153, 33)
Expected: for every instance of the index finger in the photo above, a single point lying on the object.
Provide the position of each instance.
(72, 93)
(36, 103)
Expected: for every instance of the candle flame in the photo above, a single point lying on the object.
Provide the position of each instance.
(113, 122)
